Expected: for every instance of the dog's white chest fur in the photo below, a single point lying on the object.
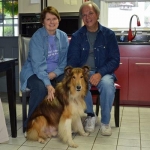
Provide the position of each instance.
(77, 104)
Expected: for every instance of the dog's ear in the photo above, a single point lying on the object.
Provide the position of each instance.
(68, 70)
(86, 69)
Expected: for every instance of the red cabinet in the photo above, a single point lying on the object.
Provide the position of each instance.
(133, 74)
(139, 80)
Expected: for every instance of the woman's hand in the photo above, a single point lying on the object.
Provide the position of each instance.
(95, 79)
(51, 92)
(52, 75)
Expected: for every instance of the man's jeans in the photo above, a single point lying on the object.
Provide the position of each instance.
(107, 93)
(38, 91)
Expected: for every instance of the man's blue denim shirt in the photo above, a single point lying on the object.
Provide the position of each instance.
(106, 51)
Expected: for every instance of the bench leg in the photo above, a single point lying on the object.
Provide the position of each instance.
(117, 103)
(97, 106)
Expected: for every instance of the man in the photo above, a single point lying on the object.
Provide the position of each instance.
(96, 46)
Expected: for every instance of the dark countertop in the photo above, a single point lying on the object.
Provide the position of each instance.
(133, 43)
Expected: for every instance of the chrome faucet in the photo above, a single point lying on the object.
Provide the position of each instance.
(130, 35)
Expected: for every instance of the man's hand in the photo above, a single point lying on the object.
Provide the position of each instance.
(51, 92)
(51, 75)
(95, 79)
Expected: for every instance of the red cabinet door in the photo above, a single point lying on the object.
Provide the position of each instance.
(139, 80)
(122, 76)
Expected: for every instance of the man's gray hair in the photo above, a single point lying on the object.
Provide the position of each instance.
(95, 7)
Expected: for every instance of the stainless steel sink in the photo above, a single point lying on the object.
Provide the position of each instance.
(139, 39)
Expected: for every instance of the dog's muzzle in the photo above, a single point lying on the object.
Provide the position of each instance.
(78, 88)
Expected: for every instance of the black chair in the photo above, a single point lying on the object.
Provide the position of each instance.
(95, 95)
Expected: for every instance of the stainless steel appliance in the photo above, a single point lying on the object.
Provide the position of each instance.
(30, 22)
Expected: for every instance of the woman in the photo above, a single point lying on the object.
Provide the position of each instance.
(46, 59)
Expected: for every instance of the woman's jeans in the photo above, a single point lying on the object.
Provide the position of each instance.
(38, 91)
(107, 93)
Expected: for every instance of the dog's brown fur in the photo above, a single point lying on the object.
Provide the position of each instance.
(64, 112)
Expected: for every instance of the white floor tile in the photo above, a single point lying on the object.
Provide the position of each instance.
(144, 109)
(130, 114)
(34, 143)
(144, 124)
(84, 139)
(130, 129)
(145, 143)
(82, 146)
(127, 135)
(103, 147)
(142, 120)
(145, 136)
(130, 118)
(106, 141)
(127, 148)
(114, 135)
(144, 148)
(56, 144)
(133, 133)
(130, 124)
(17, 141)
(29, 148)
(130, 142)
(131, 109)
(145, 116)
(145, 129)
(9, 147)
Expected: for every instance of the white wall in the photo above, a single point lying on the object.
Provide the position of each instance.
(25, 6)
(63, 6)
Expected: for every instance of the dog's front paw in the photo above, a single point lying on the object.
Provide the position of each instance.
(86, 134)
(49, 135)
(40, 140)
(54, 133)
(72, 144)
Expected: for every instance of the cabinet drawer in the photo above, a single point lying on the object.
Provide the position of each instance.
(135, 51)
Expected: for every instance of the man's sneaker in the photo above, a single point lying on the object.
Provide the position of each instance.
(90, 123)
(105, 129)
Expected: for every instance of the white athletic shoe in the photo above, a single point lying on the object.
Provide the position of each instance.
(90, 123)
(105, 130)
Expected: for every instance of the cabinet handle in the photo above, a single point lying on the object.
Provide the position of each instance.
(120, 63)
(142, 63)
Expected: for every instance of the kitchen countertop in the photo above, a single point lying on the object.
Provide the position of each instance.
(133, 43)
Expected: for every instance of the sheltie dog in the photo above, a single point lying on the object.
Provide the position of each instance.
(63, 114)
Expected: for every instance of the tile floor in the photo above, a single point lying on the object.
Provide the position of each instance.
(133, 133)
